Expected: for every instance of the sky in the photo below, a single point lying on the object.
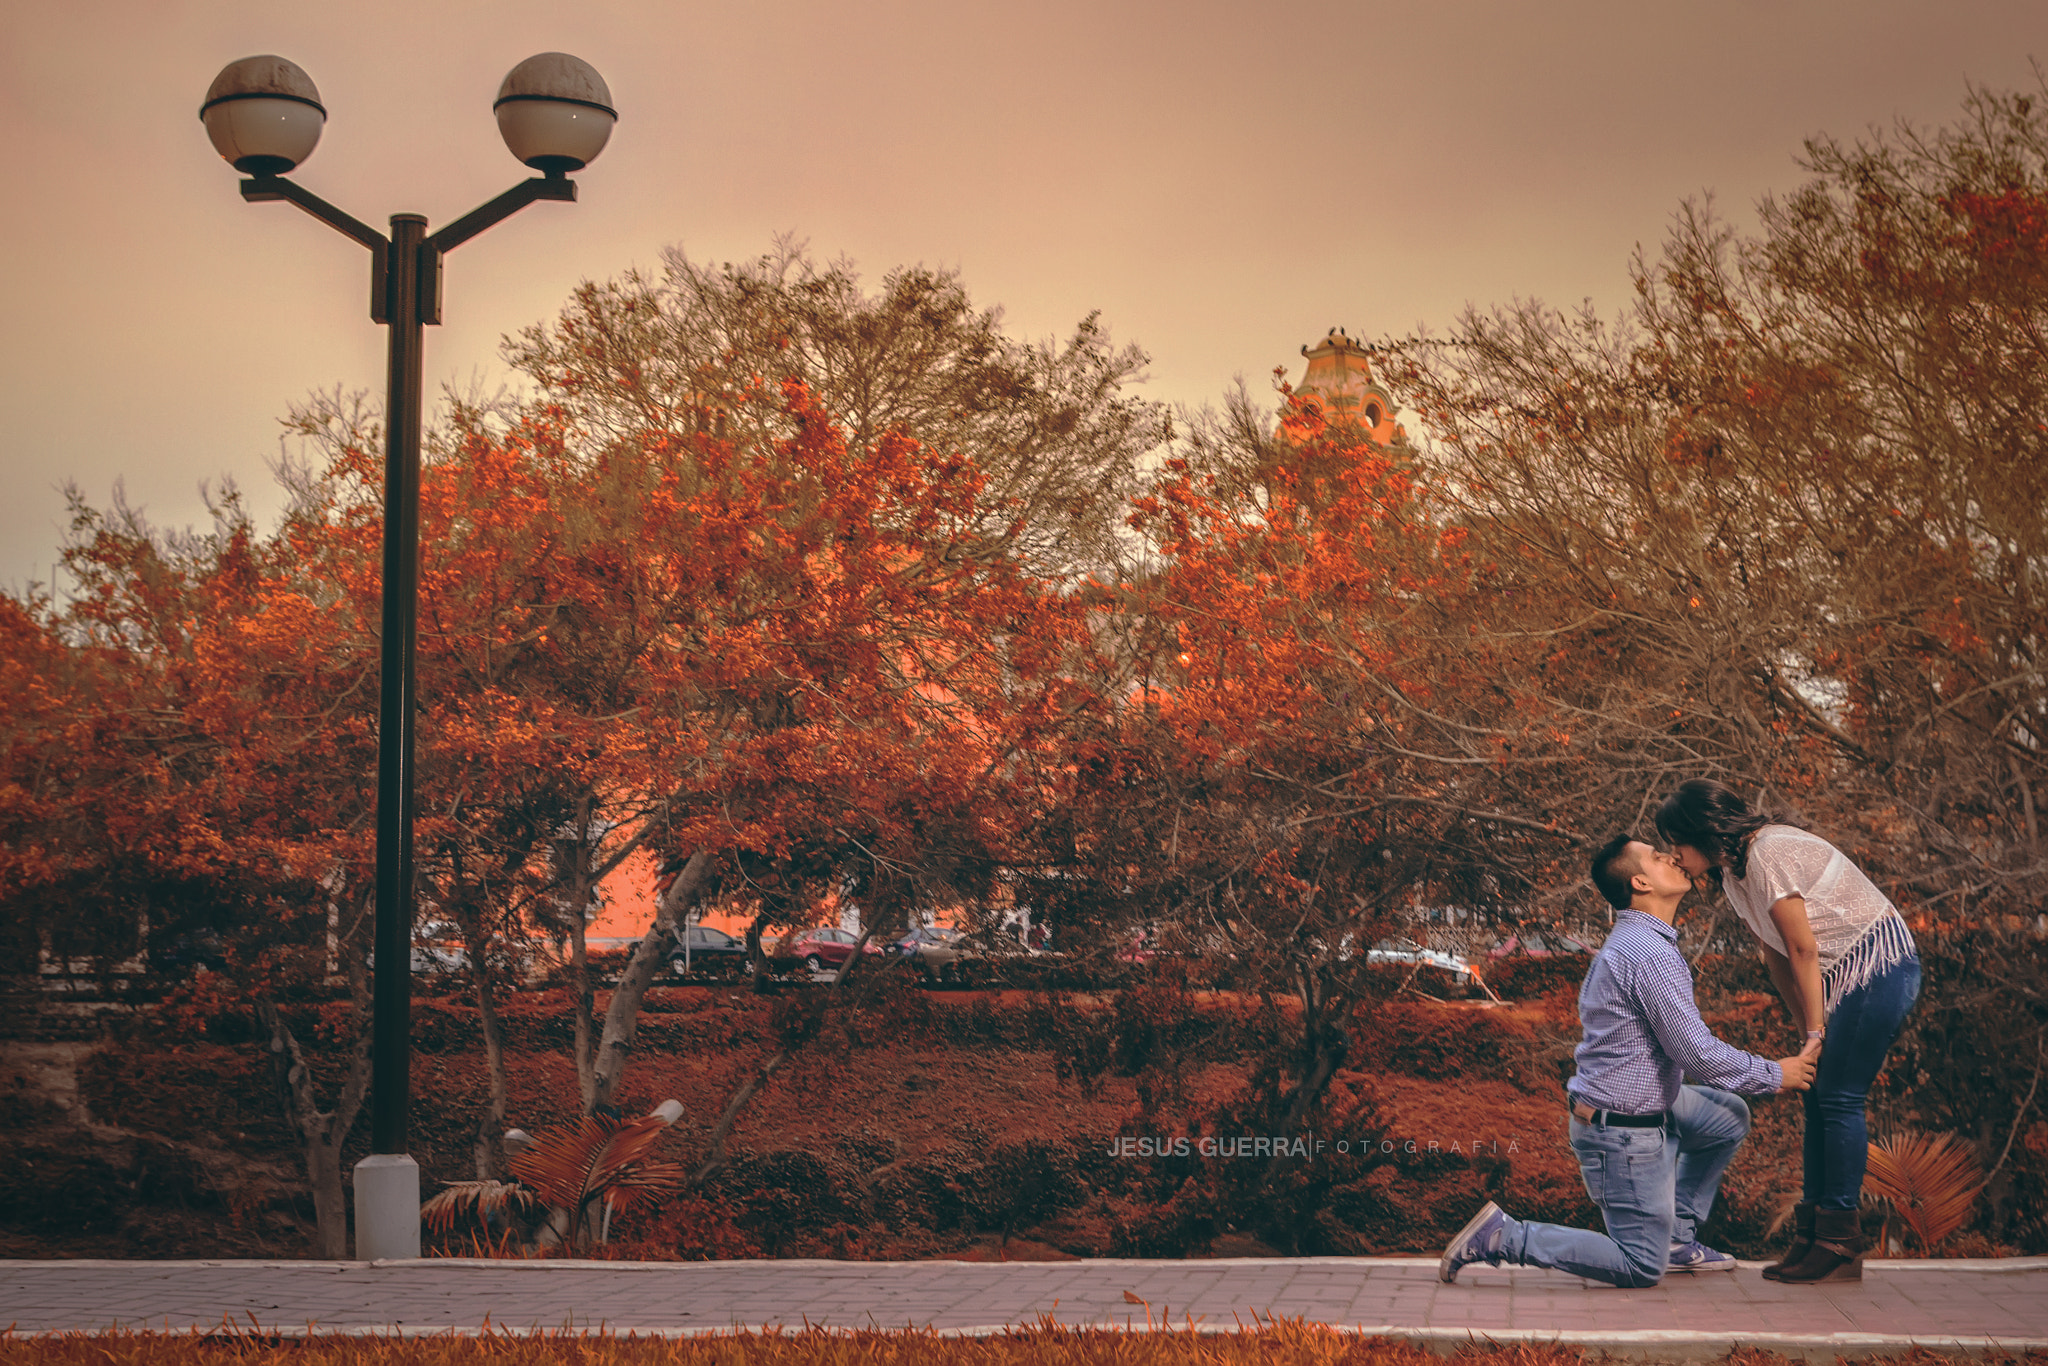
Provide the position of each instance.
(1224, 182)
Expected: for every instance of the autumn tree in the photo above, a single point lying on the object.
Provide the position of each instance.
(1053, 427)
(850, 667)
(1795, 496)
(1798, 493)
(185, 758)
(1297, 741)
(793, 663)
(848, 502)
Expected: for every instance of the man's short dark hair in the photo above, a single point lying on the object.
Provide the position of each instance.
(1614, 884)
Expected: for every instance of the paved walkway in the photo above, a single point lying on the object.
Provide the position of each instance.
(1952, 1305)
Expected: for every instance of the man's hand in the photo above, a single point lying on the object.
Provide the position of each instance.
(1798, 1070)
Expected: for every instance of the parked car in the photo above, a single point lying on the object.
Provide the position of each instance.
(700, 948)
(1537, 945)
(821, 949)
(1409, 953)
(935, 953)
(428, 958)
(438, 958)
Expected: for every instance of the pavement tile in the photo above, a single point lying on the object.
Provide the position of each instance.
(2004, 1300)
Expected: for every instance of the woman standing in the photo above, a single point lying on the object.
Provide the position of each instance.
(1844, 961)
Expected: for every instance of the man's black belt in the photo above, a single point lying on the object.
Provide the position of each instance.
(1589, 1115)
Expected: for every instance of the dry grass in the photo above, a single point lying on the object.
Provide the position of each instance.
(1278, 1343)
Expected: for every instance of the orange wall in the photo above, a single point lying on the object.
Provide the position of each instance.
(628, 907)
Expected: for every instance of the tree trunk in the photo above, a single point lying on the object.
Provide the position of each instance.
(330, 1201)
(1322, 1048)
(757, 961)
(714, 1152)
(2031, 821)
(574, 864)
(490, 1125)
(622, 1017)
(1324, 1045)
(322, 1131)
(580, 1011)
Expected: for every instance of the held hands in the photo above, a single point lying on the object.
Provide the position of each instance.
(1798, 1071)
(1812, 1049)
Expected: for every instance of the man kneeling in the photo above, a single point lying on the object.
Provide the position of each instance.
(1652, 1150)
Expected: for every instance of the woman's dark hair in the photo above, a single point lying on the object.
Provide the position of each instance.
(1713, 820)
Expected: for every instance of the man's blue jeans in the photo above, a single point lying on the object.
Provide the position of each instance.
(1654, 1188)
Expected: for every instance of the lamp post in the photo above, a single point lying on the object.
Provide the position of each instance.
(264, 117)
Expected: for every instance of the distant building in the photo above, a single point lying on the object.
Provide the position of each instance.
(1339, 379)
(628, 898)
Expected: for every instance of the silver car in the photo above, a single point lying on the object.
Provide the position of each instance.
(1407, 951)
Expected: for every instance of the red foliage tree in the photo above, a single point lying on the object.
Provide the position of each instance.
(1302, 737)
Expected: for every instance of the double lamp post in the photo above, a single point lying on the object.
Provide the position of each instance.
(264, 117)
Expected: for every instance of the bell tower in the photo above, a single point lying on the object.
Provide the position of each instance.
(1339, 379)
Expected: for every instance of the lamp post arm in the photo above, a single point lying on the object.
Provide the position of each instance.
(263, 189)
(554, 185)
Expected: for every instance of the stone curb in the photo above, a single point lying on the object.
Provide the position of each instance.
(1975, 1265)
(1644, 1344)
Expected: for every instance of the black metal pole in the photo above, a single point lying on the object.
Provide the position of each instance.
(405, 295)
(391, 1003)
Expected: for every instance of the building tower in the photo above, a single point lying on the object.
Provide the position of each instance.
(1339, 380)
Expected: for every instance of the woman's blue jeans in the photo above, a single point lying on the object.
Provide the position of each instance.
(1860, 1033)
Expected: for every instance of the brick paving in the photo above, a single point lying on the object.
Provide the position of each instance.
(1971, 1306)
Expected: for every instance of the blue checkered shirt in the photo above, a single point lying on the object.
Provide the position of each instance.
(1643, 1031)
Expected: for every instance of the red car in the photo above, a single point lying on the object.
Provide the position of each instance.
(1137, 949)
(821, 949)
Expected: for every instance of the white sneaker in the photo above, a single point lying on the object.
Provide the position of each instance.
(1478, 1241)
(1690, 1257)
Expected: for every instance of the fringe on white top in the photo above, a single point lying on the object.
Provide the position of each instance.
(1857, 930)
(1883, 946)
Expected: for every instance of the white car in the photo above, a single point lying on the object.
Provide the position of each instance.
(428, 958)
(1405, 951)
(438, 958)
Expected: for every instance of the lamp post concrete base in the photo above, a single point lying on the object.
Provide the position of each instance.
(387, 1207)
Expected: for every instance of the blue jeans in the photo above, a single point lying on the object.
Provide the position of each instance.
(1654, 1188)
(1860, 1033)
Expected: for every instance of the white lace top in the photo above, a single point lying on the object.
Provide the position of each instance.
(1856, 927)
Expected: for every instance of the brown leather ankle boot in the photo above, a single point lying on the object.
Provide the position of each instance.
(1802, 1241)
(1837, 1251)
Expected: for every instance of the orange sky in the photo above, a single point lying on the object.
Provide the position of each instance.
(1224, 181)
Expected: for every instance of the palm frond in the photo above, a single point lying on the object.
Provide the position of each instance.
(627, 1150)
(479, 1197)
(1786, 1204)
(1932, 1180)
(571, 1166)
(558, 1163)
(644, 1181)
